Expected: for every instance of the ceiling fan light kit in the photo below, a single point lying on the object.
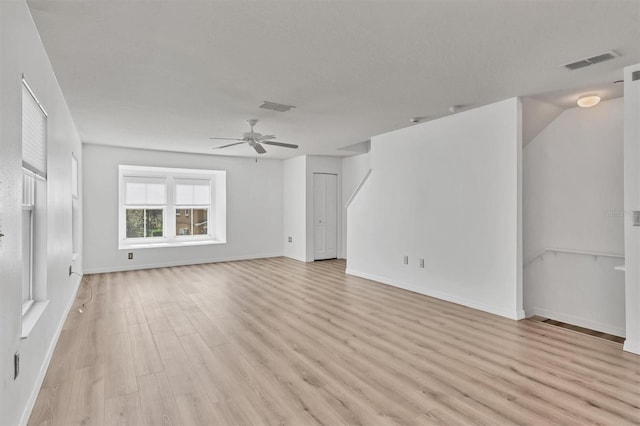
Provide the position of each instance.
(255, 140)
(588, 101)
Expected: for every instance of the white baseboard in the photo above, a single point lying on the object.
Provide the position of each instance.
(31, 402)
(299, 259)
(108, 269)
(632, 346)
(579, 321)
(503, 312)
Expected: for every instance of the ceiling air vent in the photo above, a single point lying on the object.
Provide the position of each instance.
(276, 107)
(592, 60)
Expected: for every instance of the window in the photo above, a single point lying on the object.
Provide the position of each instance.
(145, 201)
(75, 209)
(150, 196)
(34, 202)
(193, 198)
(28, 205)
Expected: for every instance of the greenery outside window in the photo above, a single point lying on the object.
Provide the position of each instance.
(145, 223)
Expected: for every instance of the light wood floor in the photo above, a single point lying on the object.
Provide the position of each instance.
(277, 341)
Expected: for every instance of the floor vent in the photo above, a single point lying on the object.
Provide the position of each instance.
(606, 56)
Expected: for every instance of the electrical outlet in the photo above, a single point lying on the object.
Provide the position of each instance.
(16, 365)
(405, 260)
(290, 239)
(130, 256)
(421, 263)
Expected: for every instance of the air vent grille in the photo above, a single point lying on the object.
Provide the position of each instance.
(592, 60)
(276, 107)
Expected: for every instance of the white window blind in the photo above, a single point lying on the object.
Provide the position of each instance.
(34, 133)
(145, 191)
(192, 192)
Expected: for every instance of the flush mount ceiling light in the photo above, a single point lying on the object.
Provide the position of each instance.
(588, 101)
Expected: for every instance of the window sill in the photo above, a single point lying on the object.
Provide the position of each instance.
(124, 246)
(31, 317)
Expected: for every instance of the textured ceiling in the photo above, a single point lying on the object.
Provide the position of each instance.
(169, 74)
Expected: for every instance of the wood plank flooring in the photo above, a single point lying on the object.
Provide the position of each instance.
(276, 341)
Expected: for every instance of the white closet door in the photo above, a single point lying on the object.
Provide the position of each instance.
(325, 216)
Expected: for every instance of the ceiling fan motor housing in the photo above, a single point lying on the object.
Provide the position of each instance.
(251, 135)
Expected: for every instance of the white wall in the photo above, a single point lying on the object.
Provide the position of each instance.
(295, 207)
(573, 188)
(573, 176)
(254, 209)
(22, 52)
(446, 191)
(298, 202)
(321, 164)
(354, 169)
(632, 202)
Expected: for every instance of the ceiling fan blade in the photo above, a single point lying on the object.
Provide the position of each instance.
(231, 144)
(284, 145)
(266, 137)
(228, 139)
(259, 148)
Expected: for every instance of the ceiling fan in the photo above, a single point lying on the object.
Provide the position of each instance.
(255, 140)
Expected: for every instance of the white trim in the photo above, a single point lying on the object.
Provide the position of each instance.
(75, 189)
(26, 306)
(299, 259)
(357, 190)
(31, 316)
(164, 243)
(107, 269)
(579, 321)
(496, 310)
(33, 95)
(595, 254)
(31, 402)
(632, 346)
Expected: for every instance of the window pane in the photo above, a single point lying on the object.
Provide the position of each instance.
(135, 193)
(191, 221)
(27, 246)
(183, 222)
(200, 224)
(156, 193)
(192, 193)
(74, 176)
(141, 193)
(154, 223)
(201, 194)
(135, 223)
(34, 134)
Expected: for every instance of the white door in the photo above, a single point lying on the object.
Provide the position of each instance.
(325, 216)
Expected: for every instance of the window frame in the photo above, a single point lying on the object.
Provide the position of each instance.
(216, 209)
(75, 207)
(28, 206)
(34, 187)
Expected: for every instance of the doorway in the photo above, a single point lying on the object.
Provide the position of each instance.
(325, 216)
